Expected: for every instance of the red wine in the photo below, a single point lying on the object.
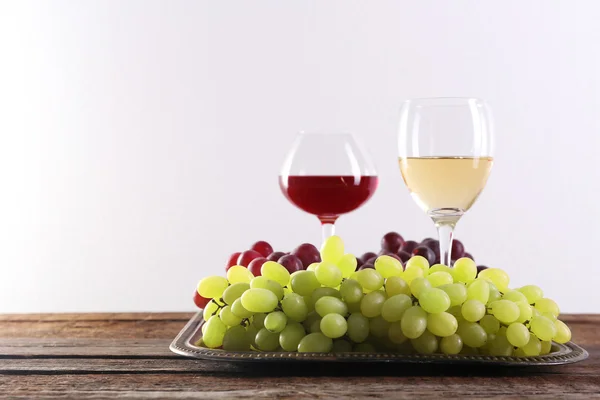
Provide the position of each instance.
(328, 197)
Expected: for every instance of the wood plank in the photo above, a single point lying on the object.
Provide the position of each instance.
(193, 386)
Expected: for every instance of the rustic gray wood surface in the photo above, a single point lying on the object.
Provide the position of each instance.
(95, 356)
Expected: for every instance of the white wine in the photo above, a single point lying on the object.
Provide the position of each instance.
(445, 185)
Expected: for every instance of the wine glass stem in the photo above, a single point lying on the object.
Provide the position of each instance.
(445, 234)
(328, 230)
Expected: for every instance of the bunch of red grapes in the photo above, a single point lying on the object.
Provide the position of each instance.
(392, 244)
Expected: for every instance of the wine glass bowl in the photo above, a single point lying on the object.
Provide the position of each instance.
(445, 148)
(327, 175)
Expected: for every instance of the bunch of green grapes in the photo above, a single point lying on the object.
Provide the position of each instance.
(332, 307)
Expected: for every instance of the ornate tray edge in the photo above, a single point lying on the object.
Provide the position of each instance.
(182, 344)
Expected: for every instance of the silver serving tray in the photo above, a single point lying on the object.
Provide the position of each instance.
(183, 344)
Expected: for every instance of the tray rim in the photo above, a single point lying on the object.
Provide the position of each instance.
(568, 353)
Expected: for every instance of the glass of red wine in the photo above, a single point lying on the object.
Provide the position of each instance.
(327, 175)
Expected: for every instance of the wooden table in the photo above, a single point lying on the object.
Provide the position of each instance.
(84, 356)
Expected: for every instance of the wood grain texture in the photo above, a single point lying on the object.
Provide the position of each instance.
(95, 356)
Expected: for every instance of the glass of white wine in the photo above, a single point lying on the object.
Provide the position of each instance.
(445, 148)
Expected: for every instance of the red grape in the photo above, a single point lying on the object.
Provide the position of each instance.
(371, 260)
(409, 246)
(458, 249)
(391, 242)
(481, 268)
(232, 260)
(276, 255)
(404, 256)
(468, 256)
(256, 264)
(365, 266)
(368, 255)
(307, 253)
(291, 263)
(426, 239)
(359, 262)
(262, 247)
(434, 245)
(247, 256)
(426, 252)
(200, 301)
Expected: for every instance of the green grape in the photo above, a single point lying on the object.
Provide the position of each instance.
(420, 262)
(260, 282)
(473, 310)
(364, 348)
(546, 347)
(258, 320)
(239, 274)
(234, 292)
(549, 315)
(333, 326)
(457, 312)
(547, 305)
(427, 343)
(329, 304)
(229, 318)
(287, 290)
(211, 309)
(414, 322)
(525, 312)
(275, 272)
(388, 266)
(395, 333)
(214, 332)
(259, 300)
(519, 353)
(369, 279)
(311, 267)
(276, 321)
(341, 346)
(500, 346)
(396, 285)
(517, 334)
(472, 334)
(440, 268)
(351, 291)
(328, 274)
(294, 306)
(479, 289)
(490, 324)
(494, 294)
(514, 296)
(412, 271)
(372, 304)
(324, 291)
(457, 293)
(532, 293)
(465, 270)
(305, 282)
(440, 278)
(332, 249)
(291, 335)
(451, 345)
(212, 286)
(236, 339)
(434, 300)
(358, 327)
(315, 343)
(497, 276)
(267, 341)
(418, 285)
(501, 331)
(563, 333)
(353, 307)
(378, 327)
(469, 351)
(543, 328)
(394, 307)
(251, 332)
(238, 309)
(506, 311)
(310, 319)
(347, 264)
(533, 346)
(310, 305)
(315, 327)
(442, 324)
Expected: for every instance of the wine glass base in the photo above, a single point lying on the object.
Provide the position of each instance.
(445, 216)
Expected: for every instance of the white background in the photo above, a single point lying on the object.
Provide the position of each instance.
(140, 141)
